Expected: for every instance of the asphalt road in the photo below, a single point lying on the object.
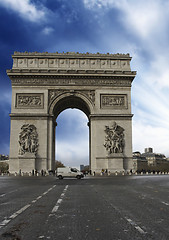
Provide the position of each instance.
(126, 207)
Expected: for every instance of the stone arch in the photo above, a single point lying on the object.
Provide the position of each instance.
(65, 100)
(71, 100)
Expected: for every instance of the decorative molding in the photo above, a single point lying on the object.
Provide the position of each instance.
(90, 94)
(123, 117)
(114, 140)
(32, 116)
(114, 101)
(28, 139)
(62, 63)
(70, 72)
(29, 100)
(72, 81)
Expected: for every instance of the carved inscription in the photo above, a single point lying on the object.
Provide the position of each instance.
(113, 101)
(28, 139)
(26, 100)
(114, 140)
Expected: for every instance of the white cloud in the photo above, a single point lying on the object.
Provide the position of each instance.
(25, 8)
(159, 73)
(73, 154)
(94, 4)
(148, 136)
(142, 18)
(47, 30)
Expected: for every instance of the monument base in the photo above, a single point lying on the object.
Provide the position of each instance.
(27, 162)
(113, 163)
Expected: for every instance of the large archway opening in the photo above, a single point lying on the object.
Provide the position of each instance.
(72, 130)
(72, 138)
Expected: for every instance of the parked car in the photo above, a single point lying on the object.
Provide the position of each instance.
(69, 172)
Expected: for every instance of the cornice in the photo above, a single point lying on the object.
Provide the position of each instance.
(70, 54)
(17, 116)
(61, 72)
(110, 116)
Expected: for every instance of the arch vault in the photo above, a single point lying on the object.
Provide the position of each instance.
(45, 84)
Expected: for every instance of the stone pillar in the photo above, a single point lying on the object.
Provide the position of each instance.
(89, 144)
(50, 143)
(54, 145)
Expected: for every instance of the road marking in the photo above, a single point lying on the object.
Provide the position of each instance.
(23, 209)
(167, 204)
(128, 219)
(14, 215)
(135, 225)
(39, 197)
(4, 194)
(4, 222)
(45, 193)
(140, 229)
(56, 207)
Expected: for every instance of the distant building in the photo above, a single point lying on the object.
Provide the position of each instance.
(148, 150)
(4, 157)
(153, 159)
(82, 167)
(148, 158)
(139, 161)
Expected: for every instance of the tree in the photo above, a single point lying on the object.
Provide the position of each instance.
(58, 164)
(4, 167)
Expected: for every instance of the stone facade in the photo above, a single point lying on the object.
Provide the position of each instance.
(45, 84)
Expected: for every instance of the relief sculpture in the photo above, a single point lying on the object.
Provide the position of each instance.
(29, 101)
(114, 140)
(28, 139)
(113, 101)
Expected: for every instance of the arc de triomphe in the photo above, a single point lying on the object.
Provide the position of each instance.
(45, 84)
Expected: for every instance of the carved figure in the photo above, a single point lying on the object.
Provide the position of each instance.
(28, 139)
(114, 141)
(29, 101)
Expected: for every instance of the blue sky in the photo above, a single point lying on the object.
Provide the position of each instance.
(115, 26)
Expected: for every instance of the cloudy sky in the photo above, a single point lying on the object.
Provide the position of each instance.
(115, 26)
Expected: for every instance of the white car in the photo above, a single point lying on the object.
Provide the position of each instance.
(69, 172)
